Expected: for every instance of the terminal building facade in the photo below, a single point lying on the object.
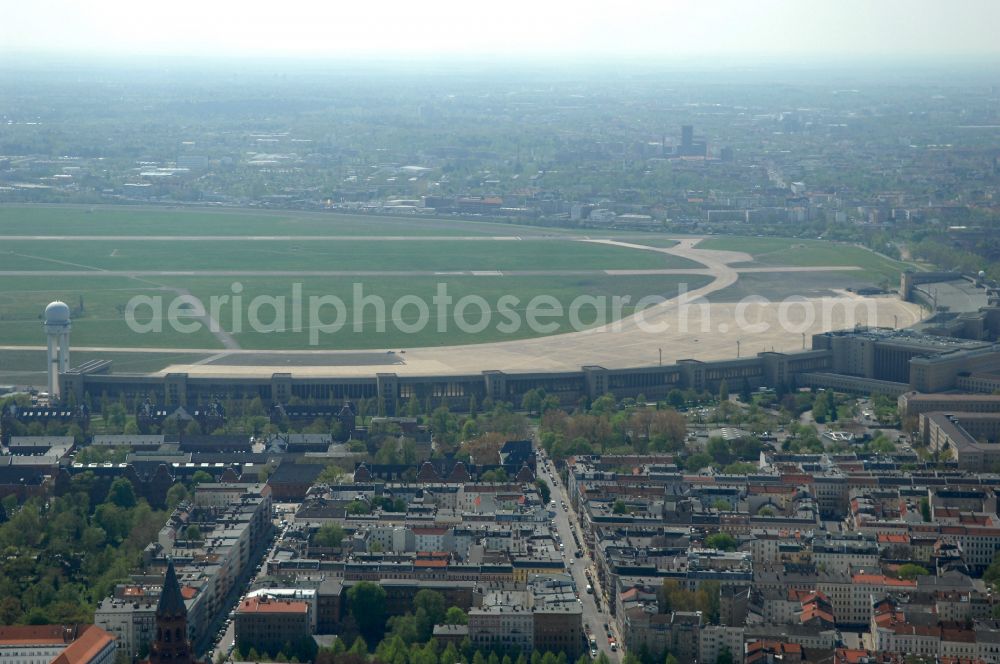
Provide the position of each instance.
(860, 361)
(766, 369)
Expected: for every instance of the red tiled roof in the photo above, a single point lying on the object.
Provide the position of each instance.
(430, 563)
(30, 634)
(892, 538)
(812, 611)
(91, 641)
(265, 605)
(881, 579)
(850, 656)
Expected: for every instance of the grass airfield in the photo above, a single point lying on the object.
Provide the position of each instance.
(99, 259)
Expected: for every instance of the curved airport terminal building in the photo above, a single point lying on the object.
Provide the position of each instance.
(943, 352)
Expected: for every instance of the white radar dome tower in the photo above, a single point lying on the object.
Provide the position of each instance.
(57, 326)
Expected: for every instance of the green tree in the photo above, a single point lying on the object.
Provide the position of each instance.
(881, 445)
(739, 468)
(696, 462)
(114, 418)
(925, 510)
(359, 647)
(175, 494)
(821, 408)
(122, 493)
(495, 475)
(719, 450)
(725, 657)
(402, 631)
(543, 490)
(722, 541)
(619, 507)
(413, 406)
(368, 607)
(358, 507)
(531, 401)
(331, 474)
(193, 533)
(992, 573)
(201, 477)
(724, 391)
(330, 535)
(455, 616)
(429, 610)
(911, 571)
(675, 398)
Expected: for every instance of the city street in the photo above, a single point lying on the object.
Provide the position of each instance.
(566, 522)
(227, 641)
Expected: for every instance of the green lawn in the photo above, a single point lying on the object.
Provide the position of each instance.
(776, 252)
(125, 220)
(102, 322)
(564, 289)
(330, 254)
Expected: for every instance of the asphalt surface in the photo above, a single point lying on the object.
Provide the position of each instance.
(566, 522)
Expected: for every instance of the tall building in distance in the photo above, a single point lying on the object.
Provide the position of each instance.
(690, 147)
(687, 137)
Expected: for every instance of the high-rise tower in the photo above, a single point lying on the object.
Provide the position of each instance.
(57, 327)
(687, 139)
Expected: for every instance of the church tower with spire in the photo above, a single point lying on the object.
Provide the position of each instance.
(170, 644)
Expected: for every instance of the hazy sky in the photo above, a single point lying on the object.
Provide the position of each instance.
(667, 28)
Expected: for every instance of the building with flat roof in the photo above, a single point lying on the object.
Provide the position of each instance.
(972, 438)
(914, 403)
(926, 362)
(546, 617)
(267, 623)
(132, 621)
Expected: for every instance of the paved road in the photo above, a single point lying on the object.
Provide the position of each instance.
(228, 639)
(566, 522)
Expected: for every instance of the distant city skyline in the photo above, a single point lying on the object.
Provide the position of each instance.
(664, 29)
